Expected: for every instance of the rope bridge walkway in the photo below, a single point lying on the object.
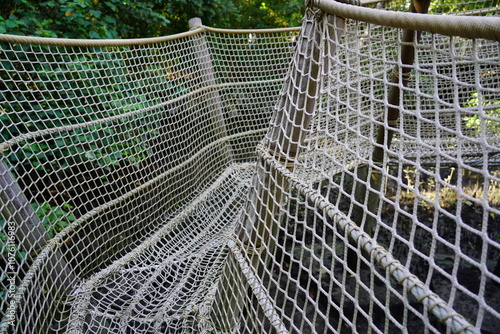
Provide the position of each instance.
(340, 177)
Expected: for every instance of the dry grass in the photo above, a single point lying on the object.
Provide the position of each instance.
(469, 189)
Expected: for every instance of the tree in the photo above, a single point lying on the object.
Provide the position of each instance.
(272, 14)
(134, 19)
(82, 18)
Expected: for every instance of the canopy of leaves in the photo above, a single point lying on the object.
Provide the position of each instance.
(81, 18)
(134, 19)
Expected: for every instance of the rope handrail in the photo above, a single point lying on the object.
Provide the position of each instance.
(9, 144)
(468, 27)
(137, 159)
(378, 253)
(75, 42)
(250, 31)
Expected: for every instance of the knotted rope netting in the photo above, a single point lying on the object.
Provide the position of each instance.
(341, 177)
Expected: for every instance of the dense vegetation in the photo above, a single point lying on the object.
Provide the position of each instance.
(128, 19)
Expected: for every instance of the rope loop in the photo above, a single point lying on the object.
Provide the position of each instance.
(405, 75)
(280, 158)
(248, 249)
(405, 277)
(426, 295)
(392, 122)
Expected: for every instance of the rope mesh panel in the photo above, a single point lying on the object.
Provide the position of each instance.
(236, 182)
(456, 7)
(113, 146)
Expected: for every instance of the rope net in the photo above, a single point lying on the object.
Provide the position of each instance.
(338, 178)
(455, 7)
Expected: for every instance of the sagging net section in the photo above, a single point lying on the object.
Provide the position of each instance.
(123, 169)
(341, 180)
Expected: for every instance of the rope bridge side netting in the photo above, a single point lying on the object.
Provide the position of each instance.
(374, 208)
(133, 201)
(123, 166)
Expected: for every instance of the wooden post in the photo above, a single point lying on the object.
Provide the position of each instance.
(29, 230)
(368, 175)
(290, 124)
(207, 74)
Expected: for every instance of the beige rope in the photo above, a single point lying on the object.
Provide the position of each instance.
(371, 2)
(282, 159)
(468, 27)
(404, 75)
(94, 42)
(248, 249)
(129, 42)
(250, 31)
(416, 287)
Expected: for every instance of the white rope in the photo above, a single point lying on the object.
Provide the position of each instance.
(423, 294)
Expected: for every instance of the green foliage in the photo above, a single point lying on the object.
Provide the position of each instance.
(63, 89)
(54, 218)
(81, 18)
(446, 6)
(456, 6)
(490, 121)
(271, 14)
(134, 19)
(236, 14)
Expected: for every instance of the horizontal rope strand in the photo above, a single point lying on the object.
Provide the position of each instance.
(448, 25)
